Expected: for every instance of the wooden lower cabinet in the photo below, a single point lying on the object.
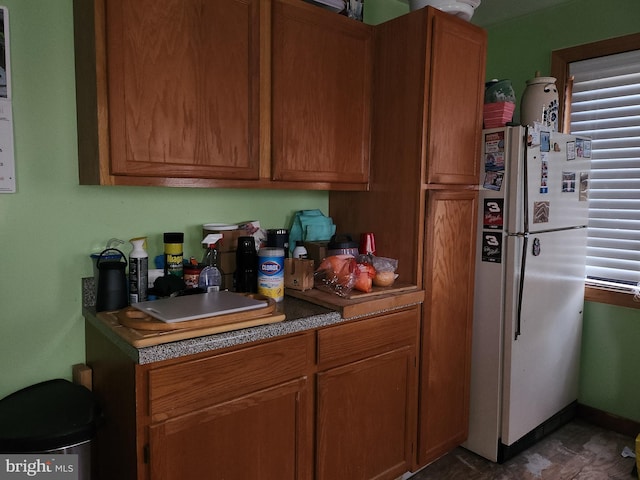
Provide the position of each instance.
(254, 436)
(237, 415)
(449, 267)
(366, 393)
(334, 403)
(244, 413)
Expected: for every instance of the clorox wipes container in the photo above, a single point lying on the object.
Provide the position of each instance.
(271, 272)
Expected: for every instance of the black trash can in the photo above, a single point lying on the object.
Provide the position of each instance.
(56, 416)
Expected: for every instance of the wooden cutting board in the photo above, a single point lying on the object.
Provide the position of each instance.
(144, 330)
(360, 303)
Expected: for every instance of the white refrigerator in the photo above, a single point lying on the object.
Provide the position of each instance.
(529, 293)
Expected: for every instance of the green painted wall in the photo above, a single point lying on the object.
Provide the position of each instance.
(51, 225)
(609, 378)
(519, 48)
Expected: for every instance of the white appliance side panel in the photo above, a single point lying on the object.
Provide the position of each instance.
(515, 180)
(541, 367)
(486, 349)
(485, 405)
(558, 180)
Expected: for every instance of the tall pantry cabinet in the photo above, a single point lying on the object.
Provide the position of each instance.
(427, 123)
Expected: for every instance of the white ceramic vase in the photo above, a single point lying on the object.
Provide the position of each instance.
(539, 103)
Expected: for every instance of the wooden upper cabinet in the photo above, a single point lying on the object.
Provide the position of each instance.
(454, 123)
(321, 95)
(167, 93)
(182, 91)
(222, 93)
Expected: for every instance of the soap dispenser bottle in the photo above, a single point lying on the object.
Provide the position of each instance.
(211, 277)
(138, 270)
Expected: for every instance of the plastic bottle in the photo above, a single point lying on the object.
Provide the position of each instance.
(138, 270)
(246, 274)
(173, 254)
(300, 251)
(211, 277)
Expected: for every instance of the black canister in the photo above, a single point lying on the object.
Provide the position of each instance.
(112, 282)
(246, 274)
(342, 245)
(278, 238)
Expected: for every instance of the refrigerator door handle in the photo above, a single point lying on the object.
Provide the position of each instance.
(525, 243)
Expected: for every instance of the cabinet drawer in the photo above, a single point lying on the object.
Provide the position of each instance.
(192, 385)
(350, 342)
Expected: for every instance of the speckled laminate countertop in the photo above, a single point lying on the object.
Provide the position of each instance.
(300, 316)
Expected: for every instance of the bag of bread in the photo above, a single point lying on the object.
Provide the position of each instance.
(336, 274)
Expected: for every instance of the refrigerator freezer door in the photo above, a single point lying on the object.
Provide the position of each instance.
(541, 367)
(558, 181)
(501, 176)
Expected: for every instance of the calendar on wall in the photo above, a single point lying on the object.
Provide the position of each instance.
(7, 159)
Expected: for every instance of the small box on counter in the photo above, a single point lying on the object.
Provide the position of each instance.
(316, 251)
(298, 274)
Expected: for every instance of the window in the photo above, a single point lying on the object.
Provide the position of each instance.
(601, 86)
(605, 105)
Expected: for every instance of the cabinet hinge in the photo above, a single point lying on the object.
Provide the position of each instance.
(145, 453)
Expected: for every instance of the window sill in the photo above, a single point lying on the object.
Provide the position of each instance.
(611, 297)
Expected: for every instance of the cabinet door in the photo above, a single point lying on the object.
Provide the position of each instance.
(455, 99)
(321, 95)
(183, 88)
(260, 435)
(361, 420)
(366, 402)
(447, 322)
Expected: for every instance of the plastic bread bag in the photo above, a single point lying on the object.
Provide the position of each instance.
(336, 274)
(385, 271)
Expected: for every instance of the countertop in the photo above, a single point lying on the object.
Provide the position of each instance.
(300, 315)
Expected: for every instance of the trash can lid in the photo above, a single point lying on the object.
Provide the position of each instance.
(47, 416)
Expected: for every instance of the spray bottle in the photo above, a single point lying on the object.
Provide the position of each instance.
(211, 277)
(138, 270)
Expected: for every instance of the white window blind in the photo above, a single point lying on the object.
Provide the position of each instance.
(605, 105)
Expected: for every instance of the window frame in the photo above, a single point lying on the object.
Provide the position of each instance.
(560, 60)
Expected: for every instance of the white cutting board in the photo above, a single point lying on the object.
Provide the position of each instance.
(201, 305)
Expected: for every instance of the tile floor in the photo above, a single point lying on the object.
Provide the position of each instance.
(576, 451)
